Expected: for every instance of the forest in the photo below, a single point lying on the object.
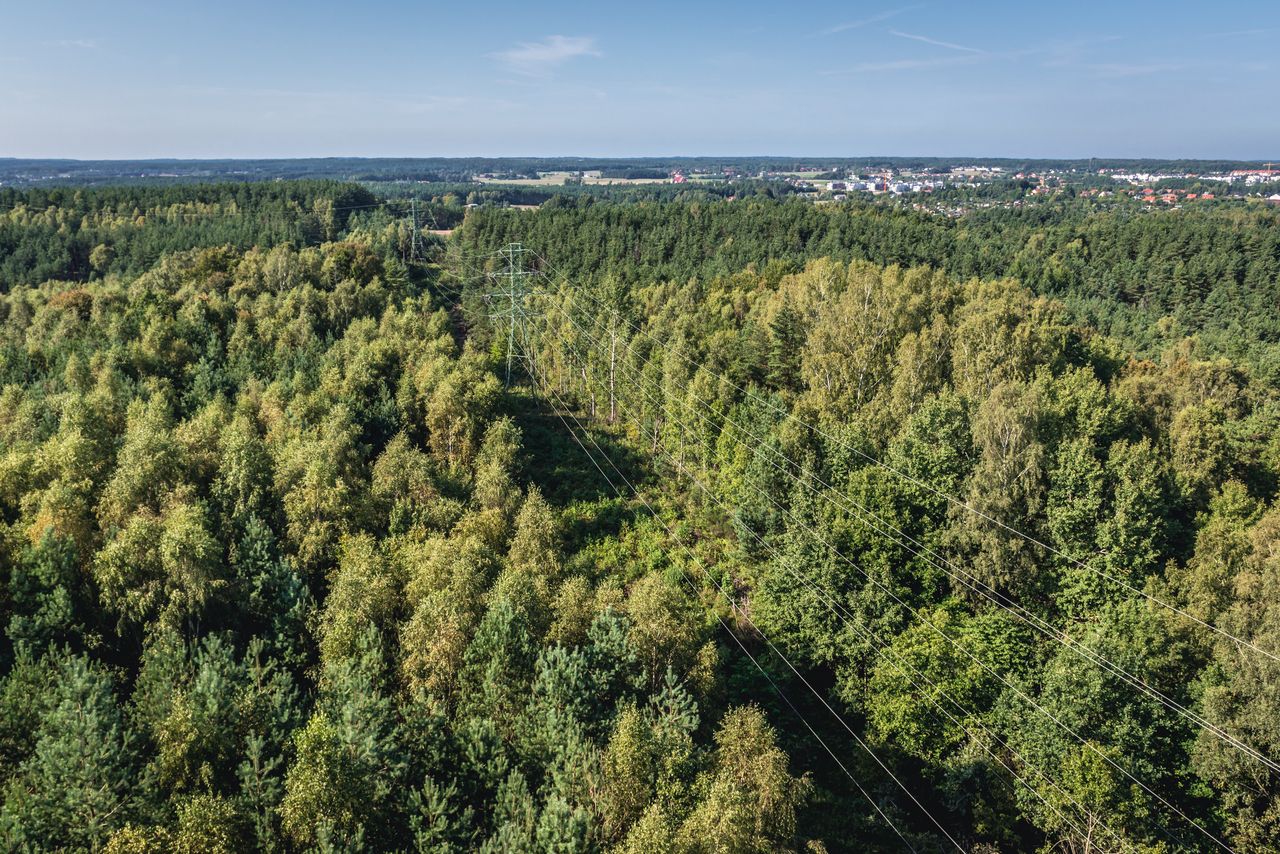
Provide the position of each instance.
(1145, 278)
(688, 525)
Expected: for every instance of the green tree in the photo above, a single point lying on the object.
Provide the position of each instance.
(750, 797)
(342, 788)
(786, 346)
(1008, 486)
(78, 784)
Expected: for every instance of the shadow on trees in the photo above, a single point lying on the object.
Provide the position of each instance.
(558, 466)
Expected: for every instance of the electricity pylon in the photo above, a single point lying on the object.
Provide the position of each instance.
(413, 234)
(509, 301)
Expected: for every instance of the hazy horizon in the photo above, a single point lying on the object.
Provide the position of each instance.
(656, 157)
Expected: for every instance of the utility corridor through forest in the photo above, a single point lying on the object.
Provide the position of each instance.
(1098, 834)
(766, 544)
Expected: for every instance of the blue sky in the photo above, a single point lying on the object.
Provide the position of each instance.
(397, 78)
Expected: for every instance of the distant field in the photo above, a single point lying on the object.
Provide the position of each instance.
(551, 179)
(626, 180)
(557, 179)
(813, 174)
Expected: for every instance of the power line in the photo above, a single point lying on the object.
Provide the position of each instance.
(736, 609)
(996, 597)
(413, 233)
(512, 303)
(1022, 695)
(958, 502)
(971, 582)
(883, 648)
(842, 613)
(734, 606)
(1027, 699)
(777, 689)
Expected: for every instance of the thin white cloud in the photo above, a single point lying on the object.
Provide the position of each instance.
(863, 22)
(1071, 53)
(935, 42)
(1121, 69)
(906, 65)
(551, 52)
(83, 44)
(1257, 31)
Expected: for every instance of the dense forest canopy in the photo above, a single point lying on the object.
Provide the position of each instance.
(1147, 278)
(77, 234)
(827, 528)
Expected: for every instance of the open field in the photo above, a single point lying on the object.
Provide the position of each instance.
(559, 179)
(550, 179)
(622, 181)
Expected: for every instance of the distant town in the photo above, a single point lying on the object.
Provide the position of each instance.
(888, 179)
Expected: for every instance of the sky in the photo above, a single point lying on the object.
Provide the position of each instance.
(1123, 78)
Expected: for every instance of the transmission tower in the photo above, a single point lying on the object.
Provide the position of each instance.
(509, 301)
(413, 235)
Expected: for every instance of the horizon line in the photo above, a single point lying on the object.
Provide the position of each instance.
(277, 157)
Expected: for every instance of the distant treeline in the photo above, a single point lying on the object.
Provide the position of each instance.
(73, 234)
(455, 194)
(1215, 272)
(634, 173)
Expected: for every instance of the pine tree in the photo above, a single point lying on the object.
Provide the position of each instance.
(79, 783)
(786, 347)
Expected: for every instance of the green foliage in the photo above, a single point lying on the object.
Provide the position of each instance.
(73, 234)
(284, 567)
(751, 799)
(77, 785)
(943, 663)
(346, 777)
(1133, 274)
